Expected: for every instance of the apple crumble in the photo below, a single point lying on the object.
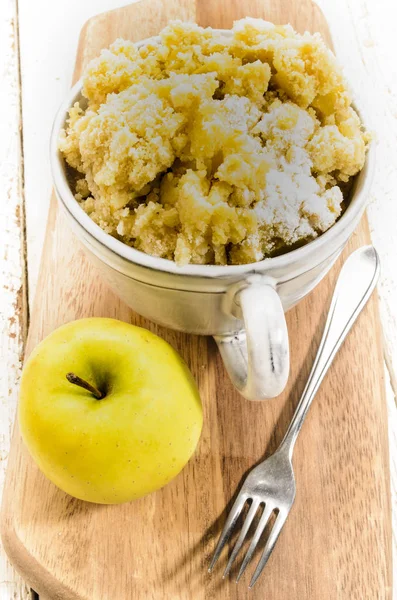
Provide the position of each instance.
(212, 149)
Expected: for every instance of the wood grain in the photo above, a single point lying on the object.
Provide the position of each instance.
(337, 541)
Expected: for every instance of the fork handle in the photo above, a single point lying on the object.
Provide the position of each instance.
(354, 286)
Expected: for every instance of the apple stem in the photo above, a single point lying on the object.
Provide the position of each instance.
(72, 378)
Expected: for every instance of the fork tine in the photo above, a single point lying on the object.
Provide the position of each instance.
(228, 528)
(259, 530)
(271, 542)
(243, 533)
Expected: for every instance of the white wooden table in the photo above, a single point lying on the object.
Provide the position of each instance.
(38, 42)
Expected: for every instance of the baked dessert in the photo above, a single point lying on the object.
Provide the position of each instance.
(207, 148)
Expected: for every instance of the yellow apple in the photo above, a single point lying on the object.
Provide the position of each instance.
(132, 433)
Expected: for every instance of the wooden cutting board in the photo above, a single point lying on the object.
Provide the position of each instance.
(337, 542)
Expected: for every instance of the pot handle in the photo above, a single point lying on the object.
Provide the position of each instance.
(257, 357)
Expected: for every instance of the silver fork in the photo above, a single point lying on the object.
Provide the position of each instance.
(272, 482)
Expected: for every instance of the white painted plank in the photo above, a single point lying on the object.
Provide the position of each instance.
(11, 267)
